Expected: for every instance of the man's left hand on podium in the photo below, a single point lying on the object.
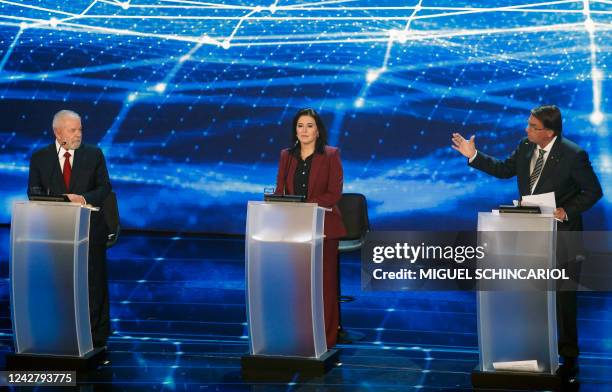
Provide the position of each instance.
(76, 198)
(560, 214)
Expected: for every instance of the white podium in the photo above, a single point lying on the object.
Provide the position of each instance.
(284, 289)
(49, 284)
(517, 325)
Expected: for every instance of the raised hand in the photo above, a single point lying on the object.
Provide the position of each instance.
(467, 148)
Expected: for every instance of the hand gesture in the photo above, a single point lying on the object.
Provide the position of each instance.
(467, 148)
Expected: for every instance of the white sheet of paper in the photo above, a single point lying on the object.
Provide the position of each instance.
(546, 202)
(519, 366)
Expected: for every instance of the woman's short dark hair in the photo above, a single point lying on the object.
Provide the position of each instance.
(550, 116)
(321, 140)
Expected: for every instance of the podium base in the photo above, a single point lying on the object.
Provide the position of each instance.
(279, 368)
(505, 380)
(346, 336)
(90, 360)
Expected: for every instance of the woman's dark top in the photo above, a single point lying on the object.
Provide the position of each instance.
(302, 171)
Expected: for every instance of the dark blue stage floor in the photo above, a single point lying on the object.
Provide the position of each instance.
(179, 320)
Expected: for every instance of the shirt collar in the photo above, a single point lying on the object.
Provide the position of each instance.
(61, 150)
(549, 145)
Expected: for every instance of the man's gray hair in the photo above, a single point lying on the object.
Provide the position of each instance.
(59, 116)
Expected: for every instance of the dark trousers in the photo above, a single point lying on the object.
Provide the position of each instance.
(567, 328)
(567, 309)
(99, 308)
(569, 254)
(330, 290)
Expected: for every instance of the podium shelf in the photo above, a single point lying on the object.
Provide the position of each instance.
(285, 240)
(44, 241)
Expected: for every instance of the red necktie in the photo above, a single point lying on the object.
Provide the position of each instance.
(67, 170)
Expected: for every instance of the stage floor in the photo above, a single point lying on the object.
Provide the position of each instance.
(178, 316)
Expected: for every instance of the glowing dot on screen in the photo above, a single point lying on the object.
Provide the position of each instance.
(372, 75)
(359, 102)
(53, 22)
(596, 117)
(399, 35)
(589, 25)
(225, 44)
(125, 5)
(597, 74)
(160, 87)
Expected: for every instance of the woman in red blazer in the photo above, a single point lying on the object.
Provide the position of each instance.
(313, 169)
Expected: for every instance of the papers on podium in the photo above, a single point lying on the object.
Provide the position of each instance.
(517, 366)
(546, 202)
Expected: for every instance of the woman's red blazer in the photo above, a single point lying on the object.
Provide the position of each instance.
(324, 185)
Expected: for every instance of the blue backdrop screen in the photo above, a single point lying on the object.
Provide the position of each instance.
(192, 101)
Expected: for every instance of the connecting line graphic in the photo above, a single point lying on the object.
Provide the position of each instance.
(54, 22)
(368, 37)
(373, 74)
(362, 17)
(597, 74)
(377, 36)
(160, 87)
(227, 41)
(10, 49)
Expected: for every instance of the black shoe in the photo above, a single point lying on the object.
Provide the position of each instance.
(569, 370)
(343, 337)
(97, 343)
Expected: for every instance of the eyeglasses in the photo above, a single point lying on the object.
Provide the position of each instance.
(533, 128)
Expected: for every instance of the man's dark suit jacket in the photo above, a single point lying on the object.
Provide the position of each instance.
(567, 172)
(324, 185)
(89, 178)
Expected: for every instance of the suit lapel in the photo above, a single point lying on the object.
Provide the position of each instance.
(56, 182)
(525, 170)
(290, 174)
(549, 166)
(76, 160)
(317, 160)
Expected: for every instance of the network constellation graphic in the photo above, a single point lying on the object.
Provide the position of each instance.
(191, 100)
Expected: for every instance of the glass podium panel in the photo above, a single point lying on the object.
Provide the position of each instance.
(518, 325)
(48, 271)
(284, 271)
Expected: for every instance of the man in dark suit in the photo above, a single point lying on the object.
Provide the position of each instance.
(79, 171)
(545, 162)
